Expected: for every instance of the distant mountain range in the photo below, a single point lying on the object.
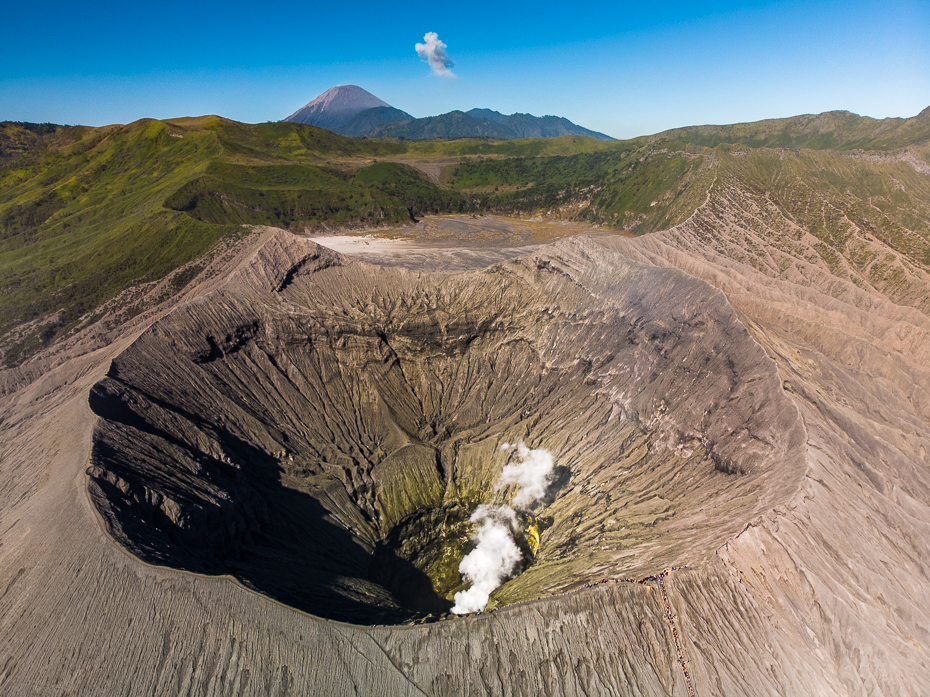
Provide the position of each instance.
(352, 111)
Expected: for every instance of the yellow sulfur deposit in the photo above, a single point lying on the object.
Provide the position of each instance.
(532, 536)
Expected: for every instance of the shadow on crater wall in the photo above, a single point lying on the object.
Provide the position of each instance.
(308, 437)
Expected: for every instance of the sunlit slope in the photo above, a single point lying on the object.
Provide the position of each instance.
(840, 130)
(632, 186)
(17, 138)
(842, 198)
(82, 221)
(88, 212)
(858, 217)
(86, 216)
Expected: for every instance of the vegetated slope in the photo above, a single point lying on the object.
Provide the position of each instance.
(628, 186)
(839, 130)
(646, 186)
(17, 137)
(94, 211)
(864, 218)
(304, 195)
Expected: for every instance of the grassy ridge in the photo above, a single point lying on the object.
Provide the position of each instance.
(88, 212)
(85, 220)
(833, 130)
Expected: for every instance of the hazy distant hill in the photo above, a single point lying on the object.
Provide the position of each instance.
(484, 123)
(455, 124)
(488, 114)
(529, 126)
(349, 110)
(364, 123)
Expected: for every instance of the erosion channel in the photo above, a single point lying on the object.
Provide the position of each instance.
(321, 429)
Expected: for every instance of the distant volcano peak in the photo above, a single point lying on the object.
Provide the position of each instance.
(336, 105)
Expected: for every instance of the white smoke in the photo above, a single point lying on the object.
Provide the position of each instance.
(532, 474)
(496, 555)
(493, 560)
(434, 53)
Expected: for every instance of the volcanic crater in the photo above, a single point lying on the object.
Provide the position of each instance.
(320, 428)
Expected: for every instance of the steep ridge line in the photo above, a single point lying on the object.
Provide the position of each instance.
(670, 616)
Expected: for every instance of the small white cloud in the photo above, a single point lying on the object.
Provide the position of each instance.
(434, 53)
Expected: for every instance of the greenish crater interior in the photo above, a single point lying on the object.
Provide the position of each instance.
(324, 431)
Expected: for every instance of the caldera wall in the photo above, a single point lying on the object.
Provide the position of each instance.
(286, 427)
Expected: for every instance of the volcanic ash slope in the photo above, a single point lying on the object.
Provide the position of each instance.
(268, 431)
(283, 429)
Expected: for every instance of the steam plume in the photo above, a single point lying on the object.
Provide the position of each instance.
(434, 53)
(497, 554)
(492, 560)
(532, 474)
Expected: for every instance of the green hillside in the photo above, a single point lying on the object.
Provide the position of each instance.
(86, 216)
(839, 130)
(87, 212)
(17, 138)
(630, 187)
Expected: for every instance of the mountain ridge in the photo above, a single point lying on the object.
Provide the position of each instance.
(352, 111)
(838, 129)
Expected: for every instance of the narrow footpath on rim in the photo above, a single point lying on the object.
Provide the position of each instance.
(670, 616)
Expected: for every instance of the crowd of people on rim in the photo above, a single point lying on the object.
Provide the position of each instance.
(655, 577)
(670, 618)
(669, 615)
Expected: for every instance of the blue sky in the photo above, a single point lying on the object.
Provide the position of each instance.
(625, 69)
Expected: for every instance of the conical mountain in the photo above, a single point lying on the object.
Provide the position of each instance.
(337, 106)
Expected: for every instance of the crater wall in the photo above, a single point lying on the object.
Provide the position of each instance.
(284, 428)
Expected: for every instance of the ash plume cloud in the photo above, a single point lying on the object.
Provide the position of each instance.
(433, 51)
(496, 555)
